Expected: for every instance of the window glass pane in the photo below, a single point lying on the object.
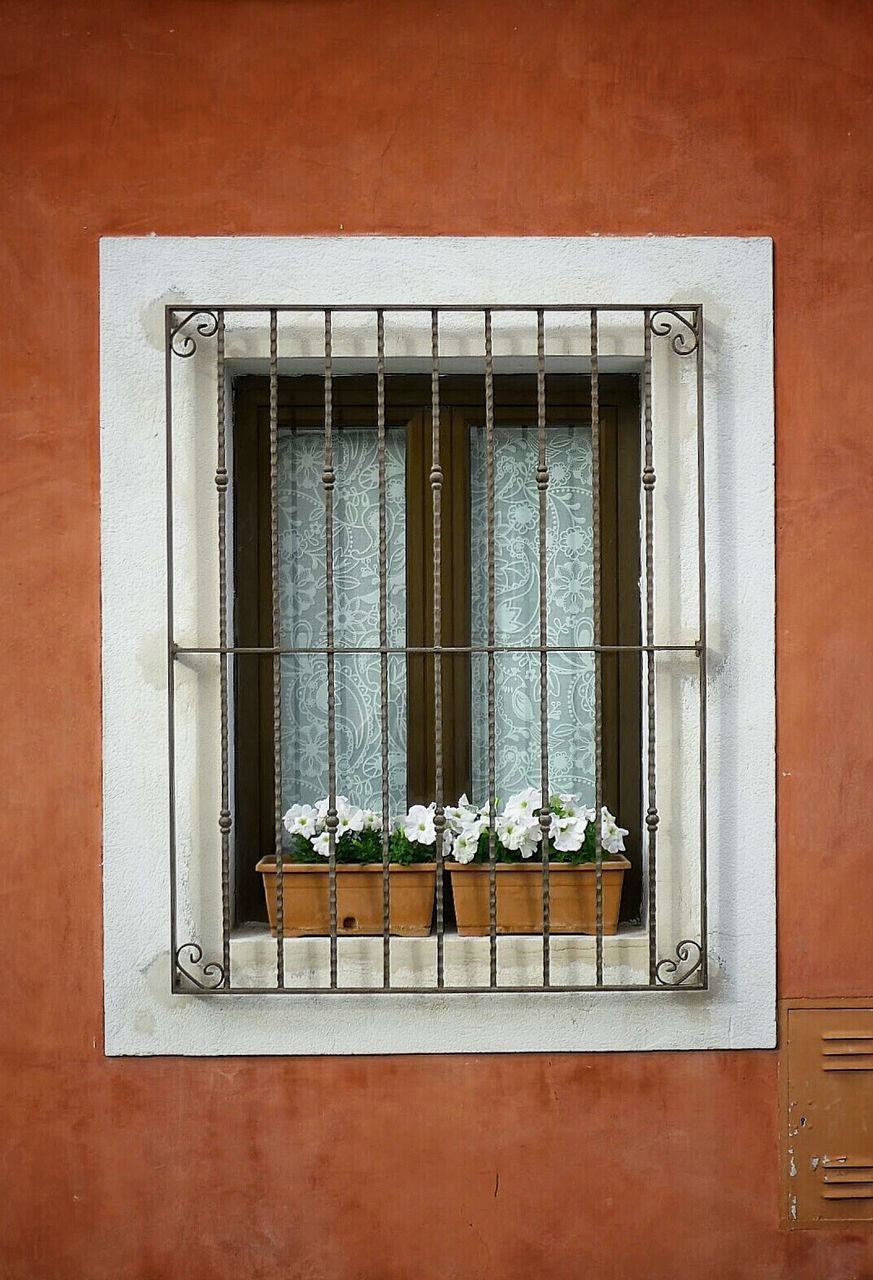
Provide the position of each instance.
(570, 592)
(356, 615)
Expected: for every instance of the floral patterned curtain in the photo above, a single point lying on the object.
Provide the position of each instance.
(570, 598)
(356, 615)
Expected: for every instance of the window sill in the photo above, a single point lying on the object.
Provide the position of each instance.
(413, 960)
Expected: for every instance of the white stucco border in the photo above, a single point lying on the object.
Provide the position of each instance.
(733, 279)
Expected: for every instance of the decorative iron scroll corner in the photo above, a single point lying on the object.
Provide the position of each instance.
(212, 971)
(683, 333)
(184, 344)
(670, 973)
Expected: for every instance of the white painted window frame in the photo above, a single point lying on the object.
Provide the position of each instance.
(732, 277)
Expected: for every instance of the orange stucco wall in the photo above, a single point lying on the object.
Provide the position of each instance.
(479, 116)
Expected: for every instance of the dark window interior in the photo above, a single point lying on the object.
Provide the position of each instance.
(408, 401)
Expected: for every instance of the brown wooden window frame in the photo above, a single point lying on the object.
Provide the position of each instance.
(301, 402)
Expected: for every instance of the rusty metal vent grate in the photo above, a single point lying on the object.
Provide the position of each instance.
(206, 347)
(827, 1078)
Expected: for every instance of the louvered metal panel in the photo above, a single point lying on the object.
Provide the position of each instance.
(827, 1082)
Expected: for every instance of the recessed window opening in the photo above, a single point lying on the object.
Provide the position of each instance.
(569, 598)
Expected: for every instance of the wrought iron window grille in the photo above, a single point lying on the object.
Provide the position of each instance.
(201, 331)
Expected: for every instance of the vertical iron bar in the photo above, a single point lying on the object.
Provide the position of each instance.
(701, 553)
(383, 648)
(328, 480)
(492, 740)
(436, 484)
(224, 818)
(542, 487)
(598, 669)
(171, 661)
(277, 661)
(652, 804)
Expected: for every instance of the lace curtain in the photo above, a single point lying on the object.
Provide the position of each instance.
(569, 597)
(356, 616)
(356, 613)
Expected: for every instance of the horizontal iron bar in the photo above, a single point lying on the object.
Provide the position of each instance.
(423, 991)
(266, 651)
(189, 307)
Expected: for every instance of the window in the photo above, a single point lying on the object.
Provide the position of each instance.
(153, 757)
(410, 598)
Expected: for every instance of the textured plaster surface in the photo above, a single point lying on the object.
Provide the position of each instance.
(486, 116)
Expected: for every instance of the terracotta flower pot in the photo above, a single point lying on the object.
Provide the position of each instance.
(306, 898)
(572, 896)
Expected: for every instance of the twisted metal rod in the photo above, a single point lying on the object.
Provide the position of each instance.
(598, 637)
(436, 484)
(652, 819)
(542, 476)
(383, 646)
(492, 737)
(275, 626)
(224, 817)
(328, 477)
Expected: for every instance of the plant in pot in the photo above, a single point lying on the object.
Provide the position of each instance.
(359, 872)
(575, 837)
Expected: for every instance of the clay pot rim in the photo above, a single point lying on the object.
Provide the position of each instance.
(268, 866)
(614, 862)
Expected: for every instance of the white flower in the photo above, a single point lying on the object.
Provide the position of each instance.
(321, 844)
(520, 834)
(523, 805)
(466, 844)
(611, 835)
(461, 814)
(418, 824)
(341, 802)
(301, 820)
(568, 834)
(372, 820)
(350, 817)
(349, 820)
(567, 802)
(572, 807)
(476, 824)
